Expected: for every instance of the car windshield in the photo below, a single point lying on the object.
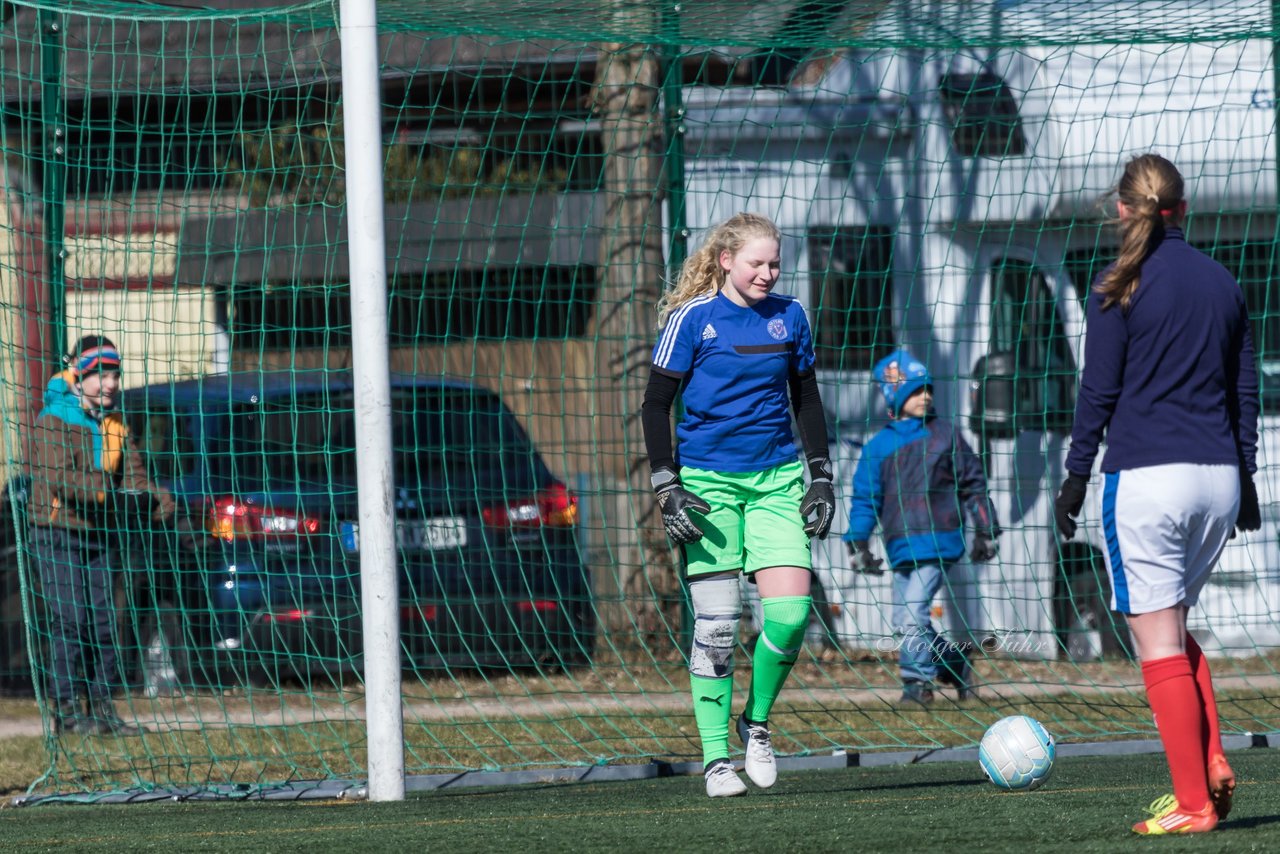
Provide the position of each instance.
(434, 434)
(461, 437)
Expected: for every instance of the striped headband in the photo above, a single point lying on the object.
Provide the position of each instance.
(97, 359)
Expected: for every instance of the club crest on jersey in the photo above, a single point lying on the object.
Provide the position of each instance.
(777, 328)
(708, 331)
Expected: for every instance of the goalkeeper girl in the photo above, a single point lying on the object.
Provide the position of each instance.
(736, 500)
(1169, 379)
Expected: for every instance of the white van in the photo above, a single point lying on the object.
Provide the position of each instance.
(948, 203)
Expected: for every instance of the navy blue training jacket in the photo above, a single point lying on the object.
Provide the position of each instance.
(1173, 378)
(914, 477)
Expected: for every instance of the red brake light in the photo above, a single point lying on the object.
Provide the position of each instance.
(537, 605)
(557, 507)
(417, 613)
(230, 518)
(553, 507)
(295, 615)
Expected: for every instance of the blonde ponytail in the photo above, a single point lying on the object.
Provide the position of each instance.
(1151, 190)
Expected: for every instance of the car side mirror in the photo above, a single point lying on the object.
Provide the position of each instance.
(993, 389)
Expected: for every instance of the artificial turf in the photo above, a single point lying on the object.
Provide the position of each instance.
(947, 807)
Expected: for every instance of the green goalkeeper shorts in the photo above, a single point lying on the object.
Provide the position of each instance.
(754, 522)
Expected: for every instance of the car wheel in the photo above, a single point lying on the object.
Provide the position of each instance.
(15, 664)
(569, 642)
(582, 640)
(1095, 632)
(822, 630)
(164, 657)
(1087, 630)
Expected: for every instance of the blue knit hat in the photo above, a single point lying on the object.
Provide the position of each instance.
(900, 375)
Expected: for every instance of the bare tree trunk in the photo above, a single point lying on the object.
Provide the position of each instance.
(630, 283)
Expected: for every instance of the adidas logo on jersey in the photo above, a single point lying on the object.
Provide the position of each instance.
(708, 331)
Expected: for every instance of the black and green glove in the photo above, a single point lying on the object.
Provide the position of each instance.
(818, 507)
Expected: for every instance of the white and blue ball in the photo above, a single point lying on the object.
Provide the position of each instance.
(1017, 753)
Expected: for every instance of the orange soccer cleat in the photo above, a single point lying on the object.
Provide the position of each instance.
(1222, 784)
(1167, 816)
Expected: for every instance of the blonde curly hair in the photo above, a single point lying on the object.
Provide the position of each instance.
(701, 272)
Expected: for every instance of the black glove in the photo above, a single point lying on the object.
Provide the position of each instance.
(985, 546)
(819, 500)
(1250, 516)
(1066, 507)
(675, 502)
(862, 560)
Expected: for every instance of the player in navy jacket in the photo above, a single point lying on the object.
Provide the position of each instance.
(741, 358)
(917, 478)
(1169, 379)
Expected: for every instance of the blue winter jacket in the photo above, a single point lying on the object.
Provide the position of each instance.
(917, 477)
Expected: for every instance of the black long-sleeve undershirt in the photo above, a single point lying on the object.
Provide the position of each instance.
(655, 418)
(811, 422)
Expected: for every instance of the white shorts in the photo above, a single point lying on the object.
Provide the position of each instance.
(1166, 527)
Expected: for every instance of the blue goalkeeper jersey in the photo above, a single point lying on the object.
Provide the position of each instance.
(735, 364)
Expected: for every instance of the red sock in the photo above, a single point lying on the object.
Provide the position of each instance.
(1204, 682)
(1175, 703)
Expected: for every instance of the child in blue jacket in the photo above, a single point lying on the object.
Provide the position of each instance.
(917, 478)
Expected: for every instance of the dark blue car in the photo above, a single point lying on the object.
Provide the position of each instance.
(266, 578)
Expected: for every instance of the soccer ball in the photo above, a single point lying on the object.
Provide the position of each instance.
(1017, 753)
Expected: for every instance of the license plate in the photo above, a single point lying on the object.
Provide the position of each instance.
(445, 532)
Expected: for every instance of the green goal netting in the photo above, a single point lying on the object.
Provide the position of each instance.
(173, 179)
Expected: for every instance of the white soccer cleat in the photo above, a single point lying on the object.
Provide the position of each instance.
(723, 781)
(761, 767)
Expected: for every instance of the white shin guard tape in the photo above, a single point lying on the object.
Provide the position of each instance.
(717, 608)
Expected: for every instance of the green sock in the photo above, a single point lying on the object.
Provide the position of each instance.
(785, 620)
(712, 706)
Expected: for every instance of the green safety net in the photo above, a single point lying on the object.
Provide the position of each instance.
(939, 170)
